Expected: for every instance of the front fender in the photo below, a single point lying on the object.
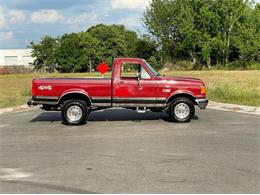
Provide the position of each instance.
(179, 92)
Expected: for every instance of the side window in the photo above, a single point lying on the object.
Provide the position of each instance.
(144, 74)
(131, 71)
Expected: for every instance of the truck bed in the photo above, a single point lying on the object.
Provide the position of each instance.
(56, 87)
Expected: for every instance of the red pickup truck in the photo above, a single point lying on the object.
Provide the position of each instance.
(134, 85)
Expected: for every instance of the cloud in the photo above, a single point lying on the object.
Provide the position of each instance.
(130, 22)
(8, 16)
(129, 4)
(83, 18)
(33, 5)
(16, 16)
(46, 16)
(6, 35)
(29, 20)
(2, 17)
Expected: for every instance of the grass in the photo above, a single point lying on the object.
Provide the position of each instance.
(239, 87)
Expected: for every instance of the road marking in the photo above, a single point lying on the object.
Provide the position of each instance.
(4, 125)
(10, 174)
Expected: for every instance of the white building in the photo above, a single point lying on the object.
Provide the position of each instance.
(16, 57)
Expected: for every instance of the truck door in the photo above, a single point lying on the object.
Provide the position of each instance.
(134, 87)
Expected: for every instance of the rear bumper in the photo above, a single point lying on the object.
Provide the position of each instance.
(31, 102)
(44, 100)
(202, 103)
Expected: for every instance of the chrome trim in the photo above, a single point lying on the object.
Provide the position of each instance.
(140, 100)
(75, 92)
(134, 98)
(202, 103)
(101, 104)
(48, 100)
(36, 102)
(30, 103)
(47, 97)
(136, 105)
(100, 97)
(168, 98)
(161, 98)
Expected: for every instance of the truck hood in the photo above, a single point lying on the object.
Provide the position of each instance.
(184, 80)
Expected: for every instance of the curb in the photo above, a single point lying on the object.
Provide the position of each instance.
(23, 107)
(234, 108)
(211, 105)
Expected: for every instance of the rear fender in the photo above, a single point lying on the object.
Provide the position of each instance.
(74, 91)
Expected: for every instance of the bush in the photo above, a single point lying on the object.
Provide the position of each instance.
(178, 65)
(15, 70)
(154, 63)
(253, 66)
(238, 65)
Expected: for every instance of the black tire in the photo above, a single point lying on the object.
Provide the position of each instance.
(189, 110)
(80, 115)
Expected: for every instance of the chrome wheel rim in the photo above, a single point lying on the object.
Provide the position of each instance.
(182, 110)
(74, 113)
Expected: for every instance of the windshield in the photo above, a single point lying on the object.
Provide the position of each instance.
(152, 69)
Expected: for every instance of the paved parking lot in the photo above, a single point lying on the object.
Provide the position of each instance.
(121, 151)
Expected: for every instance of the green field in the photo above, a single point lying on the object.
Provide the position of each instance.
(239, 87)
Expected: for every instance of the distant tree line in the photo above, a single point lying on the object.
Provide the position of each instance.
(81, 52)
(204, 33)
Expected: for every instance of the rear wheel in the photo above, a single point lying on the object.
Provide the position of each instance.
(74, 112)
(181, 110)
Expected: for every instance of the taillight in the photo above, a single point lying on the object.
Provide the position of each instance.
(33, 88)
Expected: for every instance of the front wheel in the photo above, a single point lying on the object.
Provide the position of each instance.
(181, 110)
(74, 112)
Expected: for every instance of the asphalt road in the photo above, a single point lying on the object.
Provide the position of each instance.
(120, 151)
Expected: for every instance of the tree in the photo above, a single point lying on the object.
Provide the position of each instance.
(248, 39)
(146, 48)
(45, 53)
(204, 31)
(114, 41)
(77, 52)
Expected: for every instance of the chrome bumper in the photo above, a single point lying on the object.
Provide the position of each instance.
(202, 103)
(31, 102)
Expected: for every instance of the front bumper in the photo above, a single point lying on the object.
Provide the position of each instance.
(202, 103)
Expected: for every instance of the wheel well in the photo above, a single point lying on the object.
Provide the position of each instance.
(78, 96)
(182, 95)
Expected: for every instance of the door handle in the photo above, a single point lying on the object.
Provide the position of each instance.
(139, 84)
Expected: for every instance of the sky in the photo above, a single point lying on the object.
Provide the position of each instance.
(23, 21)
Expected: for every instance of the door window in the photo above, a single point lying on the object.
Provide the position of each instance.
(131, 71)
